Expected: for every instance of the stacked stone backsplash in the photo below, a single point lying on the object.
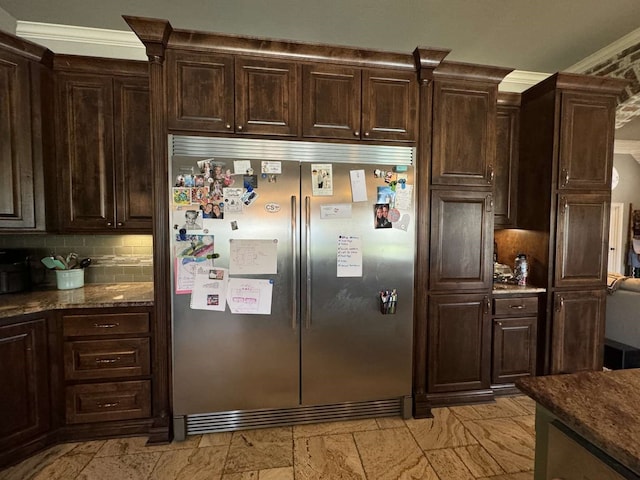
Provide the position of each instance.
(114, 258)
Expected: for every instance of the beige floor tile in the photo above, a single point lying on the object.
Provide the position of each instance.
(448, 465)
(127, 446)
(527, 403)
(124, 467)
(334, 428)
(327, 458)
(390, 422)
(511, 476)
(32, 465)
(528, 422)
(260, 449)
(444, 430)
(506, 441)
(88, 447)
(478, 461)
(65, 467)
(392, 454)
(204, 463)
(216, 439)
(241, 476)
(503, 407)
(284, 473)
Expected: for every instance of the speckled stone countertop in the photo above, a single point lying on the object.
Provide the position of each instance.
(89, 296)
(602, 407)
(506, 289)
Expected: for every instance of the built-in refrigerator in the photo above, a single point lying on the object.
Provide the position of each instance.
(336, 340)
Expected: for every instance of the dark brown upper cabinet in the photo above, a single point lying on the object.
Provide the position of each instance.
(505, 185)
(461, 240)
(104, 160)
(354, 103)
(23, 97)
(222, 93)
(586, 141)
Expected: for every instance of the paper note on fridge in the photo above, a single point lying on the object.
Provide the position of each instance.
(249, 257)
(358, 186)
(209, 289)
(249, 296)
(349, 258)
(335, 210)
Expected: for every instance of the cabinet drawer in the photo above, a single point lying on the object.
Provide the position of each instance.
(520, 306)
(108, 401)
(105, 324)
(92, 359)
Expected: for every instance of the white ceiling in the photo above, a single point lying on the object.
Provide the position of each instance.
(529, 35)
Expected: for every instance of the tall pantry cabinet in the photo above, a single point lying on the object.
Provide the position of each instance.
(564, 191)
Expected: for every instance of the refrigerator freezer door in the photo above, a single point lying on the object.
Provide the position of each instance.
(225, 362)
(350, 350)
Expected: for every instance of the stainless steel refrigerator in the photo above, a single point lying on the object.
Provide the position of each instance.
(326, 350)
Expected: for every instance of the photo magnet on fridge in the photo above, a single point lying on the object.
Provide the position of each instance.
(381, 216)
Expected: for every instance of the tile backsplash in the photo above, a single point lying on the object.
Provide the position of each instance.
(115, 258)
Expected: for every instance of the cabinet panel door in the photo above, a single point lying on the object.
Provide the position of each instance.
(506, 166)
(331, 98)
(459, 337)
(586, 141)
(389, 105)
(200, 92)
(514, 349)
(578, 331)
(85, 161)
(134, 181)
(582, 240)
(24, 397)
(464, 128)
(461, 240)
(266, 97)
(17, 207)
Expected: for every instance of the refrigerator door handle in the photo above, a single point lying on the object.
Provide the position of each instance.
(294, 261)
(307, 240)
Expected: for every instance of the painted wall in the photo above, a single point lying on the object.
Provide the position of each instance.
(7, 22)
(627, 190)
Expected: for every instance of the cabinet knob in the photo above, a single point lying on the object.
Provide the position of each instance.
(109, 224)
(239, 128)
(366, 134)
(491, 175)
(120, 224)
(228, 126)
(356, 133)
(565, 177)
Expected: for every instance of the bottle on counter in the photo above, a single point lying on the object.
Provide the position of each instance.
(521, 270)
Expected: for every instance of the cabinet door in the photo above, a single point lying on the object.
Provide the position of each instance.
(506, 166)
(24, 397)
(389, 105)
(582, 240)
(578, 331)
(17, 205)
(458, 338)
(464, 129)
(514, 349)
(461, 240)
(586, 141)
(266, 97)
(200, 92)
(134, 179)
(331, 101)
(85, 159)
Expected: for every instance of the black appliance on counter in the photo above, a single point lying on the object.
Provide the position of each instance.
(14, 270)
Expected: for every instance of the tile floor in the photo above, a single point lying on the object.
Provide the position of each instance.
(492, 441)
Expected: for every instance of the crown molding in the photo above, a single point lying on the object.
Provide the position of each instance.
(520, 80)
(627, 147)
(604, 54)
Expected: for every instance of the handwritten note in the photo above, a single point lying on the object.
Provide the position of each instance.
(249, 296)
(349, 256)
(247, 257)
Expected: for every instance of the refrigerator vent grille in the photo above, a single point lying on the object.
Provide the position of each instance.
(317, 152)
(250, 419)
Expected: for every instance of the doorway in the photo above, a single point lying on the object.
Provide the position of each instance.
(615, 238)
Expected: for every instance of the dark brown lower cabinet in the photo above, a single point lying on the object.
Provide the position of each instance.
(459, 343)
(24, 376)
(577, 332)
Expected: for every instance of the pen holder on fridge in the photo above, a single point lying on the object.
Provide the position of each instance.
(388, 301)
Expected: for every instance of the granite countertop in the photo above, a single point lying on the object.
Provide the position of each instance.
(506, 289)
(602, 407)
(90, 296)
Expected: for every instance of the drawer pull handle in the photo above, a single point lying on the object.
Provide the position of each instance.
(108, 405)
(107, 360)
(106, 325)
(517, 307)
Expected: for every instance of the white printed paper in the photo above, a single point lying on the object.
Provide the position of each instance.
(358, 186)
(250, 257)
(349, 256)
(242, 167)
(335, 210)
(185, 270)
(232, 199)
(321, 179)
(271, 167)
(209, 289)
(249, 296)
(403, 196)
